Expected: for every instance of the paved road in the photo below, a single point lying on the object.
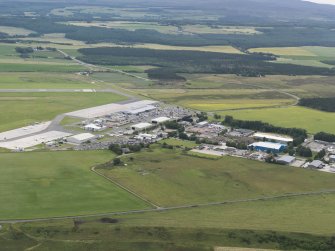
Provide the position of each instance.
(165, 209)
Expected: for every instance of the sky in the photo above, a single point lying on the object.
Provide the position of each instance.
(323, 1)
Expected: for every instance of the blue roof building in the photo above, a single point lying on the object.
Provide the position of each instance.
(268, 147)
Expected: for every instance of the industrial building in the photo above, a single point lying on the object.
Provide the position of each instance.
(160, 120)
(80, 138)
(272, 137)
(141, 126)
(332, 158)
(316, 164)
(268, 147)
(286, 160)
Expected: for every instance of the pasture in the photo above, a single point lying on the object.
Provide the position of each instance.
(52, 184)
(312, 120)
(21, 109)
(168, 178)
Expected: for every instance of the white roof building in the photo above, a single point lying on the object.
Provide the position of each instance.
(137, 110)
(332, 158)
(93, 127)
(203, 123)
(274, 137)
(141, 126)
(160, 120)
(80, 138)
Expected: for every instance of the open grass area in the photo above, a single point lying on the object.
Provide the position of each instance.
(168, 177)
(178, 142)
(58, 184)
(311, 120)
(43, 80)
(15, 31)
(220, 99)
(21, 109)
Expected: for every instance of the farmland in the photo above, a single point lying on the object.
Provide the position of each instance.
(58, 184)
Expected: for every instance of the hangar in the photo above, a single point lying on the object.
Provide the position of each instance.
(80, 138)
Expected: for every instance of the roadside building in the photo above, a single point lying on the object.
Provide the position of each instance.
(272, 137)
(141, 126)
(286, 160)
(80, 138)
(267, 147)
(160, 120)
(316, 164)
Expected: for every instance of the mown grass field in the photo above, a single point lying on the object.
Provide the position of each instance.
(312, 120)
(51, 184)
(21, 109)
(169, 178)
(178, 142)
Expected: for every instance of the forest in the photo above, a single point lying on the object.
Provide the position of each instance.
(323, 104)
(172, 62)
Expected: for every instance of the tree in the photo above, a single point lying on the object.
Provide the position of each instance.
(321, 154)
(117, 162)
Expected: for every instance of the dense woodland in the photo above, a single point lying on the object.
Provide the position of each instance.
(323, 104)
(173, 62)
(323, 136)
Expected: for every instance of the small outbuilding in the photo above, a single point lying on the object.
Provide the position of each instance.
(332, 158)
(81, 138)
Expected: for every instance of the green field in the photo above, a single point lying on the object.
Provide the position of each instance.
(43, 80)
(167, 177)
(312, 120)
(15, 31)
(51, 184)
(179, 142)
(304, 55)
(21, 109)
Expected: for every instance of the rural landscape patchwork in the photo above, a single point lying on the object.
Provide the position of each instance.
(181, 125)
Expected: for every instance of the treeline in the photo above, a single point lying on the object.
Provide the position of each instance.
(164, 74)
(298, 134)
(176, 61)
(323, 136)
(323, 104)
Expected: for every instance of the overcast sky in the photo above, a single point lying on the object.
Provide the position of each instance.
(323, 1)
